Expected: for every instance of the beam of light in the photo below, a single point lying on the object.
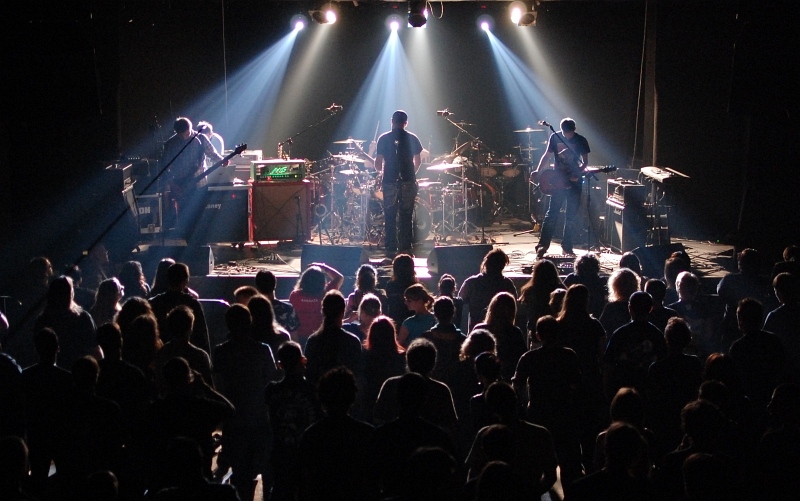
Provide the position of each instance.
(534, 98)
(391, 84)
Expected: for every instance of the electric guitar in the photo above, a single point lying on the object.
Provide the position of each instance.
(552, 181)
(179, 189)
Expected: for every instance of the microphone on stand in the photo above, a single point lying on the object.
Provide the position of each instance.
(542, 122)
(444, 113)
(334, 108)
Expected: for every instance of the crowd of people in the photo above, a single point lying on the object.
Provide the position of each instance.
(583, 387)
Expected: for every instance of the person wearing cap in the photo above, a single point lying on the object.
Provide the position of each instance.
(397, 161)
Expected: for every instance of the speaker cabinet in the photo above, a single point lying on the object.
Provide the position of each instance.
(199, 258)
(280, 210)
(460, 261)
(346, 259)
(223, 217)
(653, 257)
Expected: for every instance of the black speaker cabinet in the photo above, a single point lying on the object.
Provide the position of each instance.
(626, 227)
(280, 210)
(223, 217)
(460, 261)
(346, 259)
(653, 257)
(199, 258)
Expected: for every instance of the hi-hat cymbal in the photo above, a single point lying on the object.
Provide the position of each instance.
(350, 140)
(528, 129)
(520, 148)
(444, 167)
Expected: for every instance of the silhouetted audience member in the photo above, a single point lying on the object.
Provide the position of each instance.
(186, 476)
(447, 288)
(366, 283)
(587, 272)
(759, 355)
(418, 301)
(511, 342)
(293, 407)
(790, 263)
(243, 294)
(557, 300)
(497, 482)
(705, 479)
(631, 261)
(176, 295)
(672, 382)
(74, 326)
(334, 450)
(161, 279)
(331, 346)
(627, 406)
(179, 326)
(284, 311)
(547, 378)
(13, 469)
(532, 458)
(132, 308)
(93, 432)
(696, 314)
(83, 296)
(243, 368)
(121, 381)
(447, 338)
(106, 301)
(660, 314)
(190, 408)
(102, 486)
(384, 358)
(12, 417)
(45, 388)
(487, 368)
(622, 284)
(624, 474)
(393, 443)
(534, 296)
(777, 458)
(133, 280)
(734, 287)
(96, 267)
(673, 266)
(702, 424)
(369, 309)
(465, 383)
(265, 328)
(478, 290)
(784, 321)
(306, 298)
(438, 407)
(403, 276)
(141, 344)
(633, 347)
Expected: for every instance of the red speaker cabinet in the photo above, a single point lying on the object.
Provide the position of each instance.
(280, 210)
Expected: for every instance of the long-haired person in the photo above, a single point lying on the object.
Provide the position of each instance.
(106, 301)
(306, 297)
(500, 321)
(621, 285)
(74, 326)
(384, 358)
(418, 301)
(534, 296)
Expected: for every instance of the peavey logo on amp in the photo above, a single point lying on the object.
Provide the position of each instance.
(214, 206)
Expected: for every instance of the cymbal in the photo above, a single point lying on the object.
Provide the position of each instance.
(349, 172)
(501, 164)
(349, 158)
(528, 129)
(520, 148)
(444, 167)
(350, 140)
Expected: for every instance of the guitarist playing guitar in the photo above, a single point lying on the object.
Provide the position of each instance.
(570, 152)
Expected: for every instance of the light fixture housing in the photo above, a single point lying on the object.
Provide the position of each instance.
(417, 13)
(528, 18)
(327, 13)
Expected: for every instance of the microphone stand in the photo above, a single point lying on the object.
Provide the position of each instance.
(333, 110)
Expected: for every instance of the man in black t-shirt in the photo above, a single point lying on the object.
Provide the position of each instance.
(571, 154)
(397, 160)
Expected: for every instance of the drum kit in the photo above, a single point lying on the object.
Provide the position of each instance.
(459, 192)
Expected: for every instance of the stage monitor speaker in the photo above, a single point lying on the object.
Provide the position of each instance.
(461, 261)
(199, 258)
(652, 258)
(346, 259)
(223, 217)
(280, 210)
(626, 227)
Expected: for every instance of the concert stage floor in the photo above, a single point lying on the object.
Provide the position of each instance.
(235, 266)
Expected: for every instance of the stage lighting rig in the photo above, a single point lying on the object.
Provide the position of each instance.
(417, 13)
(326, 13)
(521, 16)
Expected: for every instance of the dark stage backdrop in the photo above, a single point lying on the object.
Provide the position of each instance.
(86, 85)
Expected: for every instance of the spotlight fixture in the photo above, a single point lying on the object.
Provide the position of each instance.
(325, 14)
(516, 10)
(417, 13)
(527, 18)
(298, 22)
